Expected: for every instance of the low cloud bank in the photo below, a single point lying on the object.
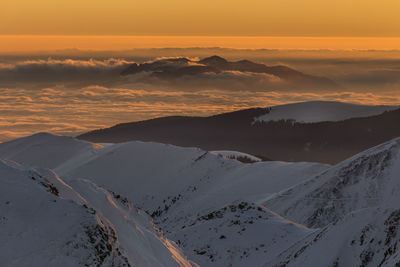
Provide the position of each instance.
(42, 73)
(47, 72)
(67, 111)
(371, 74)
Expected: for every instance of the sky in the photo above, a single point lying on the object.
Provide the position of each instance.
(27, 25)
(33, 43)
(366, 18)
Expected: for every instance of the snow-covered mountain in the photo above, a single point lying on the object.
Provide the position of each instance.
(319, 111)
(355, 206)
(47, 222)
(202, 201)
(186, 190)
(47, 150)
(365, 180)
(162, 205)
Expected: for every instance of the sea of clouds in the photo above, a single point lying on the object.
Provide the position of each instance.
(73, 95)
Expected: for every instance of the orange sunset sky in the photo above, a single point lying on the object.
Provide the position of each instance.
(309, 24)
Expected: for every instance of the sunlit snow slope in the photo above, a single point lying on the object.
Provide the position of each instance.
(46, 222)
(318, 111)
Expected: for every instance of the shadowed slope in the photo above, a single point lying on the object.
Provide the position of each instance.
(328, 142)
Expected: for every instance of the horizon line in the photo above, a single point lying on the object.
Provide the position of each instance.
(211, 36)
(17, 43)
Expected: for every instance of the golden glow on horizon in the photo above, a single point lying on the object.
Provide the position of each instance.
(22, 43)
(373, 18)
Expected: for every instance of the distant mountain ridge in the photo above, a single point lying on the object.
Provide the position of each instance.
(175, 68)
(287, 140)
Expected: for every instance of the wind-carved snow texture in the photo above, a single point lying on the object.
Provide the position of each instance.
(47, 223)
(243, 157)
(357, 183)
(234, 235)
(218, 211)
(355, 204)
(42, 229)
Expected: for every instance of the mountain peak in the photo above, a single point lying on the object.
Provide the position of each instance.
(176, 59)
(213, 60)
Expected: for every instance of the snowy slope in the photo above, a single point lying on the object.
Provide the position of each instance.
(121, 166)
(45, 222)
(368, 237)
(318, 111)
(235, 155)
(363, 181)
(356, 206)
(40, 229)
(239, 234)
(220, 212)
(181, 187)
(46, 150)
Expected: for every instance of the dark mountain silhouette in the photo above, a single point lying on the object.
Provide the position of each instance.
(327, 142)
(174, 68)
(214, 61)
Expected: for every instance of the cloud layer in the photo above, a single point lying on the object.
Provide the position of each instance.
(370, 73)
(71, 95)
(36, 73)
(69, 111)
(40, 73)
